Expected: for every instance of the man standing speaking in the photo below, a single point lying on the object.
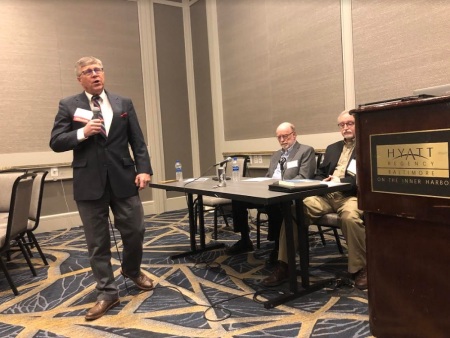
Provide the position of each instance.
(100, 127)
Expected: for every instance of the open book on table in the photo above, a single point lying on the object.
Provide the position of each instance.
(296, 185)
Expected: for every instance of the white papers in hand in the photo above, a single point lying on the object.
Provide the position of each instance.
(82, 115)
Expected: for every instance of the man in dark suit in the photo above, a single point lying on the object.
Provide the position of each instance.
(292, 161)
(105, 175)
(339, 165)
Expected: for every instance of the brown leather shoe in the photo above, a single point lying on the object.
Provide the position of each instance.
(278, 276)
(361, 279)
(141, 281)
(101, 308)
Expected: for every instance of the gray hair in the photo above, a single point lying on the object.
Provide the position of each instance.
(287, 124)
(344, 113)
(86, 61)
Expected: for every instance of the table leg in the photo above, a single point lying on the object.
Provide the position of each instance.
(303, 240)
(192, 230)
(288, 224)
(201, 222)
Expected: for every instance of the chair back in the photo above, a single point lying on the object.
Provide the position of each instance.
(20, 199)
(7, 180)
(36, 199)
(242, 161)
(320, 155)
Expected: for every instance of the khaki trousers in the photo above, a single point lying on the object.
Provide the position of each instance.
(352, 225)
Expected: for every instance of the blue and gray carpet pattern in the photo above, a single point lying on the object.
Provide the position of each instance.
(208, 294)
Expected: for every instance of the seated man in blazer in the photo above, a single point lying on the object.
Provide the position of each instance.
(299, 161)
(339, 165)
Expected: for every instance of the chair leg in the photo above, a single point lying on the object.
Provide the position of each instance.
(338, 241)
(225, 219)
(224, 216)
(196, 211)
(8, 277)
(258, 230)
(218, 209)
(320, 231)
(215, 224)
(38, 247)
(27, 258)
(30, 240)
(27, 244)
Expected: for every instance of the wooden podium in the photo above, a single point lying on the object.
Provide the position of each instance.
(404, 190)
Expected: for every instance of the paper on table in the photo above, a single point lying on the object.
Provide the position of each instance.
(331, 183)
(352, 167)
(200, 179)
(256, 179)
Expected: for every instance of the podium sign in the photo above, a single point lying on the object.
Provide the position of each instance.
(402, 154)
(411, 163)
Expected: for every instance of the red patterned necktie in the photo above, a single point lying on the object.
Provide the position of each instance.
(96, 103)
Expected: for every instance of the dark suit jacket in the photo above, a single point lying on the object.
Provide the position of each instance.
(95, 159)
(306, 162)
(331, 158)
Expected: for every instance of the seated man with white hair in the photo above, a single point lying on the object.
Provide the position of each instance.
(299, 163)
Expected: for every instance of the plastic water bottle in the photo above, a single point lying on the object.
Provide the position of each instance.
(235, 176)
(178, 171)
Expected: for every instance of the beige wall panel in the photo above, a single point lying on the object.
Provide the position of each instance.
(399, 46)
(280, 61)
(173, 89)
(41, 41)
(202, 77)
(29, 65)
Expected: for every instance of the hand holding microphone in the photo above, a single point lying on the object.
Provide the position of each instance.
(93, 126)
(96, 113)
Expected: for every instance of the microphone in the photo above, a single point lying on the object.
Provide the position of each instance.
(95, 113)
(228, 159)
(282, 162)
(215, 178)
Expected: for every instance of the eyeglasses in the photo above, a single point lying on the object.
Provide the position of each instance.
(348, 124)
(285, 136)
(90, 71)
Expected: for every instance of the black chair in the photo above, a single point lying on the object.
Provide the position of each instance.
(331, 220)
(222, 206)
(35, 213)
(20, 186)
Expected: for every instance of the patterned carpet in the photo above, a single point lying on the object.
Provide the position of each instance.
(206, 295)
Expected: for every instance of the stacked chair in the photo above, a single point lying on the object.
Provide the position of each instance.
(30, 240)
(15, 202)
